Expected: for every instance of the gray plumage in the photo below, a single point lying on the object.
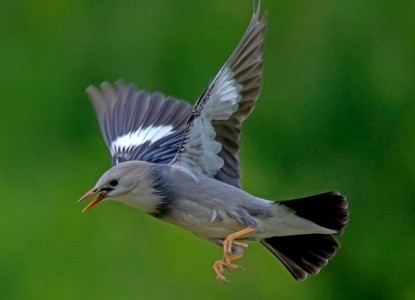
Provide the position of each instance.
(204, 206)
(181, 165)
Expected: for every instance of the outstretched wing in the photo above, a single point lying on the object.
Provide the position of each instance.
(137, 125)
(210, 143)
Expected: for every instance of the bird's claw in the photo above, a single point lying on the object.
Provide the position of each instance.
(234, 267)
(220, 265)
(221, 279)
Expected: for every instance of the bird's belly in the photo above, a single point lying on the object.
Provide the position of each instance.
(208, 225)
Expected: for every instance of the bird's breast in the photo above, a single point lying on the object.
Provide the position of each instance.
(205, 222)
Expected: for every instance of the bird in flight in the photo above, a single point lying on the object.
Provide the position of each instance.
(180, 164)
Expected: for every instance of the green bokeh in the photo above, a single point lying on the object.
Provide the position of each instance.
(336, 112)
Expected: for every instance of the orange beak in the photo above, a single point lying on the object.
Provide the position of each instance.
(91, 192)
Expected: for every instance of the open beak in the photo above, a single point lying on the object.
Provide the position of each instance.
(93, 191)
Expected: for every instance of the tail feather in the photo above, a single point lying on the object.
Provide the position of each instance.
(303, 254)
(328, 210)
(308, 253)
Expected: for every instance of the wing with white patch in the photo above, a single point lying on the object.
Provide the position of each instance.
(137, 125)
(211, 142)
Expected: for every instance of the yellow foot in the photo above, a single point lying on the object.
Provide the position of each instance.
(219, 266)
(229, 241)
(226, 261)
(242, 245)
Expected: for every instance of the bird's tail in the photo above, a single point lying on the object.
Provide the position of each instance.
(308, 253)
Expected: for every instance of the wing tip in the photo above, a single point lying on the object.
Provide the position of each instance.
(257, 12)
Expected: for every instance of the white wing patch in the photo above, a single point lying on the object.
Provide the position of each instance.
(199, 150)
(139, 137)
(224, 97)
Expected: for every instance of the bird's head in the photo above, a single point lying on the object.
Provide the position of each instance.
(120, 180)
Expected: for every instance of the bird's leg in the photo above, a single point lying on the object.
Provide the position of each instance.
(226, 261)
(229, 240)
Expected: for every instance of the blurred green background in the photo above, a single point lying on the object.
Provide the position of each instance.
(336, 112)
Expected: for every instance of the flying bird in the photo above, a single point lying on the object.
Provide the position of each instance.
(180, 164)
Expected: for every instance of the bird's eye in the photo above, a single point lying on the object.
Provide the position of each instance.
(113, 183)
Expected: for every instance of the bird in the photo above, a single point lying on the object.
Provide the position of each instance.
(180, 164)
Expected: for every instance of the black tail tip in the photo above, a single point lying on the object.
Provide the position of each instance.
(328, 210)
(303, 254)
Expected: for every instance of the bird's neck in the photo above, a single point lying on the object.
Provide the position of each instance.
(141, 200)
(154, 192)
